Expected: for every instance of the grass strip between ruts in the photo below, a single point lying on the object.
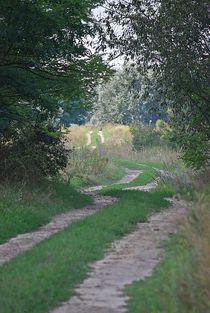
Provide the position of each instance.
(148, 174)
(40, 279)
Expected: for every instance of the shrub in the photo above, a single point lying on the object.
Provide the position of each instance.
(196, 150)
(84, 162)
(32, 154)
(144, 136)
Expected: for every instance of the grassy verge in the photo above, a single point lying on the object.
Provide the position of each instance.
(114, 170)
(25, 209)
(62, 261)
(90, 168)
(181, 283)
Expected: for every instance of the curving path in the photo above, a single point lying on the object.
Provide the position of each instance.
(26, 241)
(131, 258)
(152, 185)
(129, 177)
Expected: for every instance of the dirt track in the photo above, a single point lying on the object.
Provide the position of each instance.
(132, 258)
(26, 241)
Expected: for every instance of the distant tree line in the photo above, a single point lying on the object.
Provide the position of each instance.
(128, 97)
(171, 38)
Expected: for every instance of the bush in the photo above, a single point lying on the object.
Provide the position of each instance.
(195, 150)
(144, 136)
(32, 154)
(85, 162)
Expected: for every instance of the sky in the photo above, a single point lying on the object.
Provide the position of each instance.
(118, 62)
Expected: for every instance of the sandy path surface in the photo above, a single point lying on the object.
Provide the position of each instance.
(89, 140)
(26, 241)
(131, 258)
(152, 185)
(129, 177)
(101, 135)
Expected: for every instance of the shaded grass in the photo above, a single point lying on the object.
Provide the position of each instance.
(48, 273)
(24, 209)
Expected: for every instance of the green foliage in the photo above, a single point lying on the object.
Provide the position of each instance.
(163, 129)
(167, 133)
(32, 154)
(124, 100)
(172, 39)
(196, 150)
(144, 136)
(24, 208)
(44, 59)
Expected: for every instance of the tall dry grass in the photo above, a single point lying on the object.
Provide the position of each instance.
(92, 166)
(113, 134)
(76, 136)
(84, 162)
(193, 290)
(116, 134)
(159, 154)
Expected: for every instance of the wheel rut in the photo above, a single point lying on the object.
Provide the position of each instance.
(26, 241)
(131, 258)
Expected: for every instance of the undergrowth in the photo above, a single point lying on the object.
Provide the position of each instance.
(24, 208)
(91, 167)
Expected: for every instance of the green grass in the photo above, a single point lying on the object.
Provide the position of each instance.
(114, 171)
(95, 138)
(181, 282)
(38, 280)
(157, 294)
(23, 210)
(148, 174)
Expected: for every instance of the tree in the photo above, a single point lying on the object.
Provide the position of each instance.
(173, 39)
(44, 58)
(123, 99)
